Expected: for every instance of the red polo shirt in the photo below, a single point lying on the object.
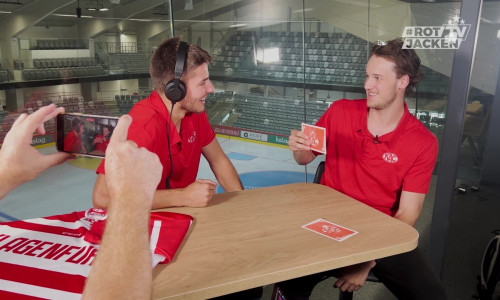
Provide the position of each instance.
(72, 142)
(103, 145)
(376, 171)
(148, 129)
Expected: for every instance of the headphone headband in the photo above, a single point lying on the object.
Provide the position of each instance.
(181, 58)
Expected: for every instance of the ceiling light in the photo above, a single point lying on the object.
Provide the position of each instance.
(73, 16)
(237, 25)
(96, 6)
(302, 10)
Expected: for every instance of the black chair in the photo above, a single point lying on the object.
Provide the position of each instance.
(319, 172)
(371, 277)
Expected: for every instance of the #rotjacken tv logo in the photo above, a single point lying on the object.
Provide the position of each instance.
(446, 36)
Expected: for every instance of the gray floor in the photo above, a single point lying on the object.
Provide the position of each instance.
(67, 188)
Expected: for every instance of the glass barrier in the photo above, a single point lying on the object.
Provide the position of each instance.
(276, 64)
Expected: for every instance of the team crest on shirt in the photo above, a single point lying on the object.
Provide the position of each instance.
(192, 138)
(390, 157)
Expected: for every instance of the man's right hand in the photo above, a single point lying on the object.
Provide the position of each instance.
(298, 141)
(199, 193)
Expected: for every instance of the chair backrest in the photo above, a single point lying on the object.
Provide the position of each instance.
(319, 172)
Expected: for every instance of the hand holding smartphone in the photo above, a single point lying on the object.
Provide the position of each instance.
(86, 135)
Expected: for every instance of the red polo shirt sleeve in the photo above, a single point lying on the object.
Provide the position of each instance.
(140, 135)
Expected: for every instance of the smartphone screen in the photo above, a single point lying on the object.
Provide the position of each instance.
(86, 135)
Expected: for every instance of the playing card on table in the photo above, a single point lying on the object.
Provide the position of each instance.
(329, 229)
(317, 137)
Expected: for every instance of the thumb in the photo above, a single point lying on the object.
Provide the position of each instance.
(208, 181)
(57, 158)
(121, 130)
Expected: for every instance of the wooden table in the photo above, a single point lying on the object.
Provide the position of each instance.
(255, 237)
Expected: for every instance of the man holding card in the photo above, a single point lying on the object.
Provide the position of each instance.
(381, 155)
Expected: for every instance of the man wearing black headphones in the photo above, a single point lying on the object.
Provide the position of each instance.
(181, 84)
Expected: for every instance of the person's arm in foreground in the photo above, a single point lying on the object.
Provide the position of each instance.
(222, 167)
(123, 267)
(353, 277)
(19, 161)
(197, 194)
(298, 142)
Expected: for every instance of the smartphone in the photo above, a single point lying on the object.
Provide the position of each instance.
(86, 135)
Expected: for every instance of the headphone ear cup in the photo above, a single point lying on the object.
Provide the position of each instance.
(175, 90)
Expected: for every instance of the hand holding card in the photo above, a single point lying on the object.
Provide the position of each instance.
(317, 137)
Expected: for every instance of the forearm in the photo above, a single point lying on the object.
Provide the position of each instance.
(227, 176)
(5, 187)
(100, 195)
(410, 206)
(169, 198)
(408, 218)
(110, 277)
(303, 157)
(7, 183)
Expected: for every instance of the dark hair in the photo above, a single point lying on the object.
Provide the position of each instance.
(75, 124)
(406, 60)
(162, 64)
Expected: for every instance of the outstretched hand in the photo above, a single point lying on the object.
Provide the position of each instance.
(19, 161)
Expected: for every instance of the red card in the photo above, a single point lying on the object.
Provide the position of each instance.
(317, 137)
(329, 229)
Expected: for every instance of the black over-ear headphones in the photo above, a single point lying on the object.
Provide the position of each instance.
(175, 89)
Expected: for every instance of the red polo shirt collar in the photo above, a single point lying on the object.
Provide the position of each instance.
(389, 138)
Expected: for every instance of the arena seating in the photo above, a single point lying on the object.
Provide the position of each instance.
(275, 115)
(4, 75)
(127, 62)
(49, 44)
(125, 102)
(331, 58)
(337, 59)
(334, 59)
(63, 68)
